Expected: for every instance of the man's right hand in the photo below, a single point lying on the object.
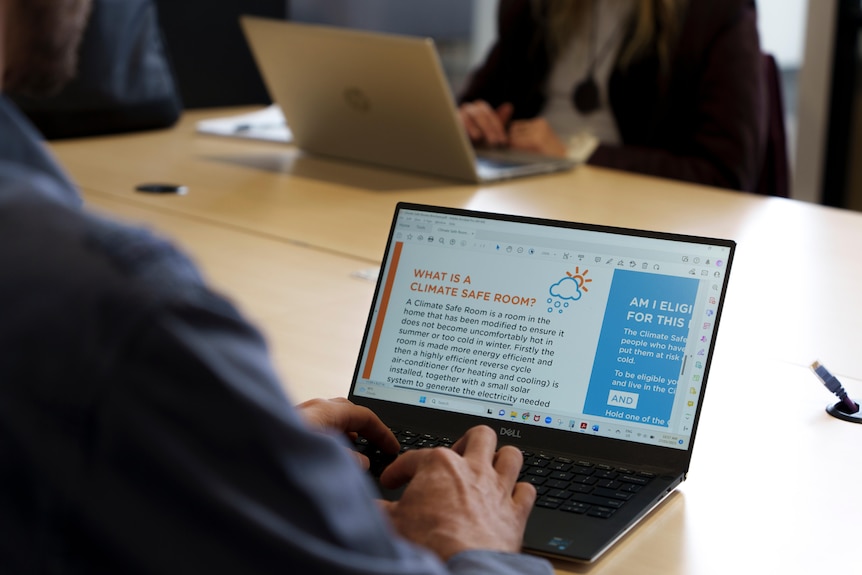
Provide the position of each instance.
(462, 498)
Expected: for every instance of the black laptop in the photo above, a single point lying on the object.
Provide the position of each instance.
(587, 347)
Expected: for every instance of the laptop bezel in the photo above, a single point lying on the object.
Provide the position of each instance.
(531, 437)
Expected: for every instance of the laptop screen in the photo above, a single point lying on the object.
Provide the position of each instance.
(574, 327)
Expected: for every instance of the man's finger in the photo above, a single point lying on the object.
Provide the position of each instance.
(479, 441)
(386, 506)
(343, 415)
(508, 462)
(524, 496)
(364, 462)
(402, 470)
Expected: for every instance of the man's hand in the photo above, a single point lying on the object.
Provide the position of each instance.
(461, 498)
(484, 124)
(341, 415)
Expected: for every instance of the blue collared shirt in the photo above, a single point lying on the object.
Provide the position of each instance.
(142, 427)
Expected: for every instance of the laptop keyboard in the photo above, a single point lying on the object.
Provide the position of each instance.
(596, 489)
(573, 486)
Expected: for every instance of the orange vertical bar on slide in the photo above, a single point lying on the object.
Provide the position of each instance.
(384, 305)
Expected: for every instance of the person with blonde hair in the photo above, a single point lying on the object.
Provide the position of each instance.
(670, 88)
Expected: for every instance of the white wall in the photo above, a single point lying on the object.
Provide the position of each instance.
(484, 29)
(782, 30)
(815, 79)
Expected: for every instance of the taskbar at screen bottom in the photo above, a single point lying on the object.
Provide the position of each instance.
(502, 411)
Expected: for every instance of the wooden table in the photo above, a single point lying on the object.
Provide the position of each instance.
(771, 484)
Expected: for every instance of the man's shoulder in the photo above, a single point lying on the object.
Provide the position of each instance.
(51, 247)
(79, 290)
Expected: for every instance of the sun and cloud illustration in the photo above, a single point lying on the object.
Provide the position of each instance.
(568, 289)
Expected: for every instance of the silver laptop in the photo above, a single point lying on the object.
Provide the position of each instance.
(588, 347)
(375, 98)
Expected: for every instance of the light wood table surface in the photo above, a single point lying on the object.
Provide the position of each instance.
(797, 270)
(772, 482)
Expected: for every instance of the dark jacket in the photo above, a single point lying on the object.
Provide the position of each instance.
(703, 122)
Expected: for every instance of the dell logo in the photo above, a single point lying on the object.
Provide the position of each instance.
(506, 432)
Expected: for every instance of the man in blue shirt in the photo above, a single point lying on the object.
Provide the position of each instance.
(142, 428)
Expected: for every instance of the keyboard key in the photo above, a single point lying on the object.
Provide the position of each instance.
(557, 484)
(602, 512)
(636, 479)
(598, 500)
(574, 507)
(613, 494)
(548, 502)
(605, 474)
(584, 479)
(534, 480)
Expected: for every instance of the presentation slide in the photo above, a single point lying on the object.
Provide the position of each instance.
(641, 347)
(528, 340)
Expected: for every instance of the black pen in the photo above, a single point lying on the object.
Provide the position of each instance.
(832, 384)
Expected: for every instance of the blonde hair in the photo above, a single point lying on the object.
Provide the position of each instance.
(656, 25)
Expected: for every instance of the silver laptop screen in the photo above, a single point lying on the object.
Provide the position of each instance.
(598, 331)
